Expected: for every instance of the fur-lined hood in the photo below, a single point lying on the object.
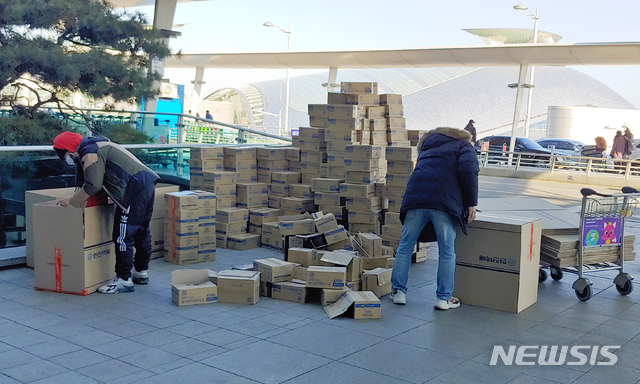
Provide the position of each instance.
(459, 134)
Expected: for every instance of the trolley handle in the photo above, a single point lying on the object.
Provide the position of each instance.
(629, 190)
(588, 192)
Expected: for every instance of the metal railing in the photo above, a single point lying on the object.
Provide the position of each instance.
(559, 163)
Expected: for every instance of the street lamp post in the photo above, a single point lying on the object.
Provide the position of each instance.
(286, 102)
(521, 8)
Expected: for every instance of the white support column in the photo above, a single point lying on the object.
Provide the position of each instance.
(196, 95)
(162, 19)
(333, 74)
(516, 112)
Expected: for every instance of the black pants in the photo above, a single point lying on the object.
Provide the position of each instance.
(131, 231)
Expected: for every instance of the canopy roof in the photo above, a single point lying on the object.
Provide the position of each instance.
(627, 53)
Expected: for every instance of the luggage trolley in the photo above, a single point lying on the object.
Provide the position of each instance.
(602, 219)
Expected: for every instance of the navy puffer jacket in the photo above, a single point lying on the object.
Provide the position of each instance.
(446, 175)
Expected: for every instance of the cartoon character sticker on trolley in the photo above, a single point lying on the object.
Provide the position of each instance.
(600, 231)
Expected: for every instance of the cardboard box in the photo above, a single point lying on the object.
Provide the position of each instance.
(304, 256)
(252, 201)
(202, 165)
(325, 223)
(356, 190)
(377, 281)
(206, 153)
(275, 202)
(221, 240)
(396, 122)
(378, 124)
(238, 287)
(181, 257)
(232, 215)
(364, 228)
(398, 180)
(345, 111)
(364, 151)
(312, 145)
(328, 198)
(156, 227)
(364, 165)
(179, 201)
(246, 189)
(359, 87)
(401, 153)
(272, 166)
(260, 216)
(318, 121)
(311, 133)
(301, 190)
(334, 98)
(363, 203)
(285, 177)
(192, 286)
(79, 234)
(181, 242)
(326, 185)
(393, 110)
(347, 259)
(393, 231)
(219, 177)
(359, 305)
(313, 156)
(226, 202)
(243, 241)
(240, 153)
(239, 165)
(289, 291)
(249, 176)
(293, 153)
(371, 244)
(271, 154)
(296, 224)
(326, 277)
(336, 235)
(386, 99)
(317, 110)
(369, 263)
(232, 228)
(402, 167)
(297, 204)
(501, 254)
(375, 112)
(273, 270)
(364, 217)
(330, 296)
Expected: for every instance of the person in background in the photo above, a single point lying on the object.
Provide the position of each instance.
(442, 193)
(102, 164)
(601, 146)
(208, 116)
(629, 143)
(618, 148)
(472, 130)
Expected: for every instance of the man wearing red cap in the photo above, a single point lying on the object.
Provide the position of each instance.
(102, 164)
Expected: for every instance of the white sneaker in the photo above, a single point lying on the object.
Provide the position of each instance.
(141, 277)
(398, 297)
(453, 302)
(117, 285)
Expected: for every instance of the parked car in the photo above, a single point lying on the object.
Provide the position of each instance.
(532, 152)
(564, 147)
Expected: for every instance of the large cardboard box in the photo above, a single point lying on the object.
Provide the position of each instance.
(347, 259)
(359, 87)
(243, 241)
(357, 190)
(498, 262)
(232, 215)
(330, 296)
(364, 151)
(83, 236)
(289, 291)
(239, 287)
(371, 244)
(206, 153)
(326, 277)
(360, 305)
(296, 224)
(377, 281)
(273, 270)
(192, 286)
(303, 256)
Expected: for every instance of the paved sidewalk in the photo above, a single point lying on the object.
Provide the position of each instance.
(143, 337)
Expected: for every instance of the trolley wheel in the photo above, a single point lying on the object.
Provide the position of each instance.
(556, 273)
(542, 276)
(585, 294)
(624, 283)
(582, 286)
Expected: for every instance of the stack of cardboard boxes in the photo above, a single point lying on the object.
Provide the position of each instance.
(190, 227)
(204, 159)
(232, 230)
(242, 161)
(223, 184)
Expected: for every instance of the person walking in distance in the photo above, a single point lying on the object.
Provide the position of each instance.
(472, 130)
(442, 193)
(101, 164)
(629, 143)
(618, 148)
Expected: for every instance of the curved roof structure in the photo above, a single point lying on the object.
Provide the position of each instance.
(434, 97)
(494, 36)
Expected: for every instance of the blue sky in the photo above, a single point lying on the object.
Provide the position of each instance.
(221, 26)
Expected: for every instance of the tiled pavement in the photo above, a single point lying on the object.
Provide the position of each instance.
(143, 337)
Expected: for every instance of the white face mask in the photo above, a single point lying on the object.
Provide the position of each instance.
(69, 159)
